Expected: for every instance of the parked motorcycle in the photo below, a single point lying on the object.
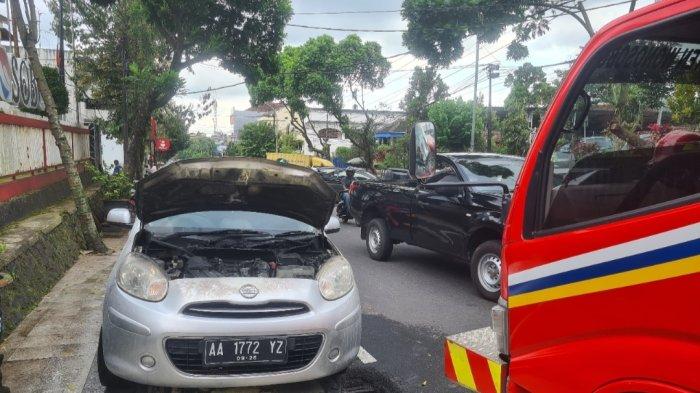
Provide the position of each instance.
(342, 210)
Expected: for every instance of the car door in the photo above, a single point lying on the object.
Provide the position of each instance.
(602, 270)
(439, 214)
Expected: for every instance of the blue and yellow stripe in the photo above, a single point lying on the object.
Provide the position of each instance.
(659, 264)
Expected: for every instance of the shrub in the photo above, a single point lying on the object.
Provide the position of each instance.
(113, 186)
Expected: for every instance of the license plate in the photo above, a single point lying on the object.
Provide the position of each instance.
(245, 350)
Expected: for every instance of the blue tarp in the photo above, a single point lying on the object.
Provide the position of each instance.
(389, 134)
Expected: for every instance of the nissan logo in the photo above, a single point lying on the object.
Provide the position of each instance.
(249, 291)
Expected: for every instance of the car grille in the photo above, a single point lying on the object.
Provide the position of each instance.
(187, 354)
(230, 310)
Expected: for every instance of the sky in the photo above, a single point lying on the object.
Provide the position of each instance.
(563, 42)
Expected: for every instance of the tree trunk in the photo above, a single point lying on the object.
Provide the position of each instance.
(92, 236)
(134, 153)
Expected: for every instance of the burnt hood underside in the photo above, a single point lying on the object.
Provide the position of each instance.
(235, 184)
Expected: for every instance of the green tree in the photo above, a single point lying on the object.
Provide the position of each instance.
(453, 123)
(345, 153)
(58, 91)
(200, 147)
(529, 89)
(529, 93)
(685, 105)
(132, 51)
(425, 87)
(317, 72)
(437, 28)
(256, 139)
(287, 142)
(515, 133)
(395, 154)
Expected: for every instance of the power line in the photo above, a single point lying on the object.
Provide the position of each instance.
(554, 16)
(422, 9)
(398, 55)
(344, 29)
(211, 89)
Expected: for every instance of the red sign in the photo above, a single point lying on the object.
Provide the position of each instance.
(162, 144)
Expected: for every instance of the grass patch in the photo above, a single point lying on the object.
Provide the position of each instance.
(3, 247)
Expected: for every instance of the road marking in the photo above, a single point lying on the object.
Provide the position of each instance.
(365, 357)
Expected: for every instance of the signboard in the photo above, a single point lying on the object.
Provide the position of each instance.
(162, 144)
(17, 82)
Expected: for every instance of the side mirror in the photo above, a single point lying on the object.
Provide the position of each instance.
(333, 225)
(422, 151)
(120, 216)
(580, 111)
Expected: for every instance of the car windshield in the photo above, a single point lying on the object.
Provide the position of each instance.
(212, 221)
(491, 170)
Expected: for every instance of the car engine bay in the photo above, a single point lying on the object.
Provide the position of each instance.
(202, 256)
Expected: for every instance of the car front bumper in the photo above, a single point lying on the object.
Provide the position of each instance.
(133, 328)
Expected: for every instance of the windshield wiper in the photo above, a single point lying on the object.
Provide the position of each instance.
(294, 233)
(222, 232)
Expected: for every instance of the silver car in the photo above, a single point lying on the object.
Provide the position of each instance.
(228, 279)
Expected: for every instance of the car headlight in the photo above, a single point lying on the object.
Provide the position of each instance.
(139, 276)
(335, 278)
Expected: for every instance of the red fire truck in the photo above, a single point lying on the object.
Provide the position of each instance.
(601, 252)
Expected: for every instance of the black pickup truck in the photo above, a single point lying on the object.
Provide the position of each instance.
(462, 222)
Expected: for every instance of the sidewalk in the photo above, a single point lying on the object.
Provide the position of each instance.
(54, 346)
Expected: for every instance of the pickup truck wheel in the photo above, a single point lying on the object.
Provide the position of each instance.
(379, 245)
(485, 267)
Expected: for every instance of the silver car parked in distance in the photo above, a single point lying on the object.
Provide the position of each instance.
(228, 279)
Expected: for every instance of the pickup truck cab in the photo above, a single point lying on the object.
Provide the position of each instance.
(462, 222)
(601, 261)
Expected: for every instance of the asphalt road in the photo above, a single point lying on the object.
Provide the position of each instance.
(410, 303)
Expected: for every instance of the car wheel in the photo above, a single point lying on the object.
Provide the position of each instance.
(379, 245)
(485, 268)
(107, 379)
(345, 220)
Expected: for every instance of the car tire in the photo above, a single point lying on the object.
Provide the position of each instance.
(107, 379)
(379, 244)
(485, 269)
(345, 220)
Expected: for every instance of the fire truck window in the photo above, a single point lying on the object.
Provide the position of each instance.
(639, 145)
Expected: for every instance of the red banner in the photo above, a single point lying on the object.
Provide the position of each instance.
(163, 144)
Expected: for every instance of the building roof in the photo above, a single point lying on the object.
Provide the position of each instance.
(266, 107)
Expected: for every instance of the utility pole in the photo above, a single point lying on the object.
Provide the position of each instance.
(61, 51)
(125, 120)
(216, 116)
(75, 88)
(491, 70)
(476, 81)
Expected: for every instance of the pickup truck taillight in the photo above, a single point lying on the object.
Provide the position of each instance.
(353, 187)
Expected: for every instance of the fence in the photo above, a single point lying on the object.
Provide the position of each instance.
(29, 158)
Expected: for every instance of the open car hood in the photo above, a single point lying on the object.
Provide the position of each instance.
(235, 184)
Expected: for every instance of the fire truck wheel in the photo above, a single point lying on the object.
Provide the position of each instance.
(379, 244)
(486, 269)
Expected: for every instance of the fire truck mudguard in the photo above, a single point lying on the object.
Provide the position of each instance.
(471, 360)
